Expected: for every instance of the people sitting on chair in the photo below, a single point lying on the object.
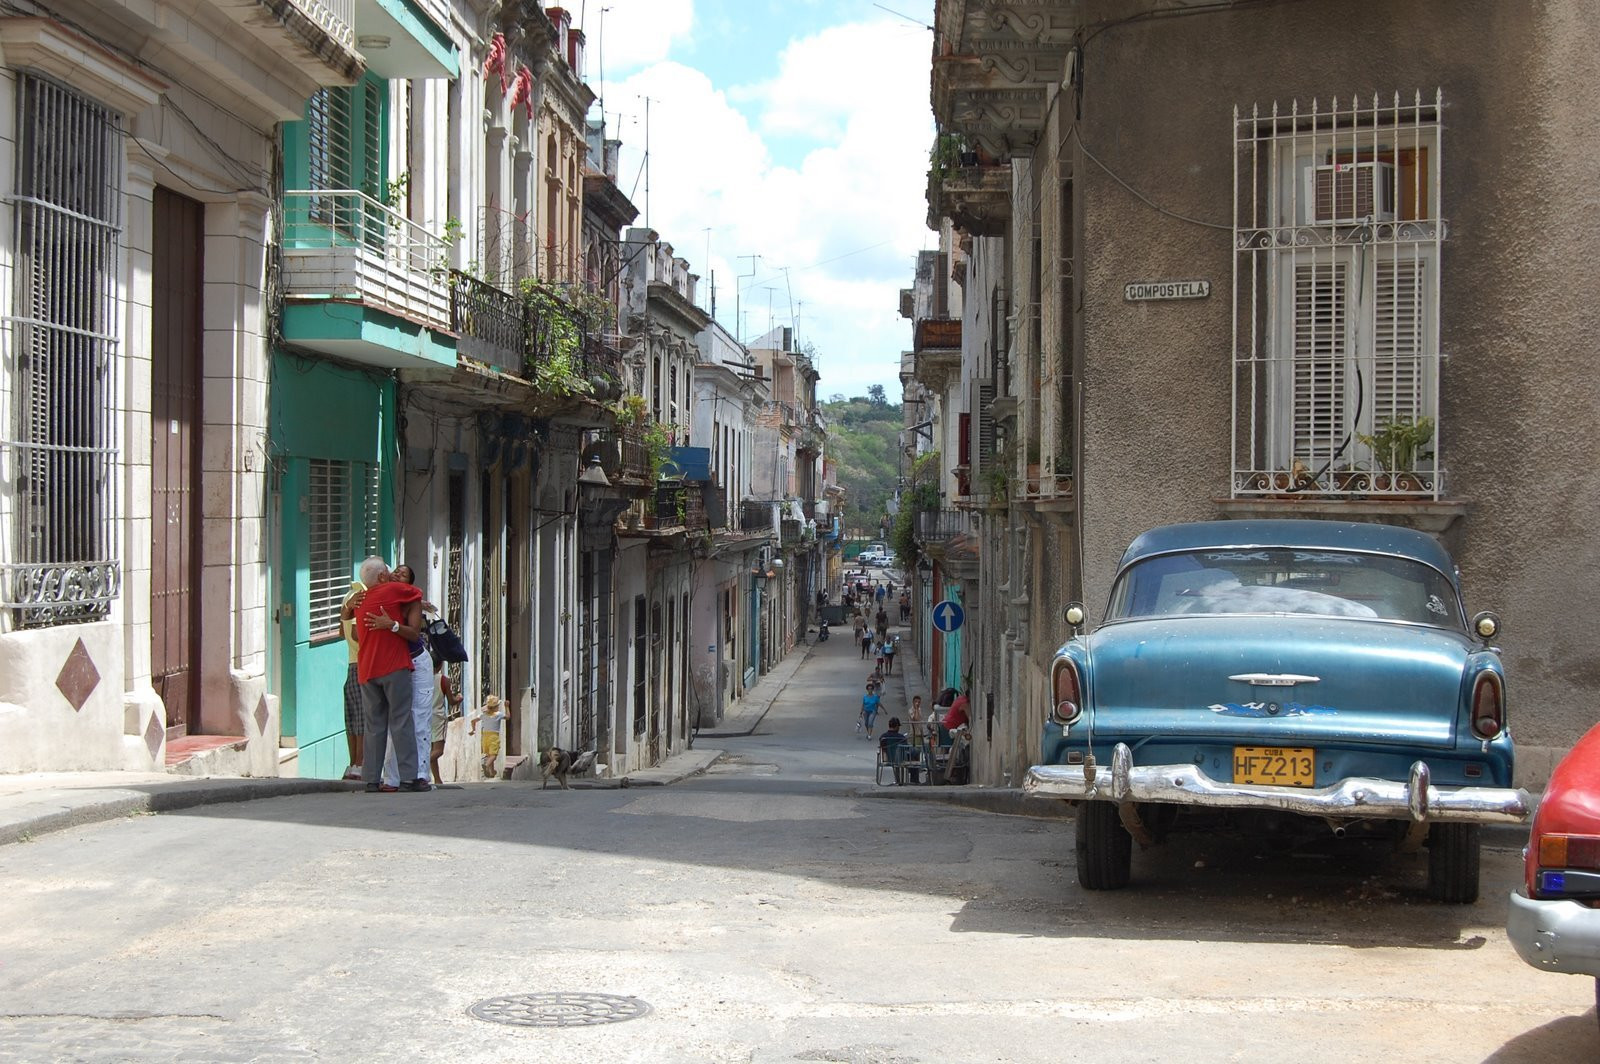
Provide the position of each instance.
(893, 736)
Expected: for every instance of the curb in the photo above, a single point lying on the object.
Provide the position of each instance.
(166, 798)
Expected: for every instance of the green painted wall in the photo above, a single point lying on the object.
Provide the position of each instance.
(322, 410)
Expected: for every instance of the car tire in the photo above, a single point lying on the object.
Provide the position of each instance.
(1104, 848)
(1453, 863)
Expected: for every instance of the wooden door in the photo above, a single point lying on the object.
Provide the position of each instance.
(175, 433)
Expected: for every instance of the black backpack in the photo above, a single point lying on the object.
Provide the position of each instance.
(443, 643)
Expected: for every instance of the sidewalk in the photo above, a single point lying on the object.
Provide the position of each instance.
(38, 803)
(746, 716)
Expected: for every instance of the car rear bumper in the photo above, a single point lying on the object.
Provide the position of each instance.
(1415, 799)
(1558, 935)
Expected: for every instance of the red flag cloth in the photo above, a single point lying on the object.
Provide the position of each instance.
(522, 91)
(496, 62)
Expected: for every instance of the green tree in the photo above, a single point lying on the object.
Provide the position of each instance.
(864, 441)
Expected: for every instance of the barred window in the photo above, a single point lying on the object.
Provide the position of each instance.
(60, 449)
(1336, 353)
(331, 556)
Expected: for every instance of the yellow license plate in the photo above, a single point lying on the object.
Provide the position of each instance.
(1277, 766)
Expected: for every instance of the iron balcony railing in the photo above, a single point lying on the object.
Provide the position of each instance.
(336, 17)
(491, 324)
(789, 531)
(937, 526)
(755, 516)
(343, 244)
(635, 454)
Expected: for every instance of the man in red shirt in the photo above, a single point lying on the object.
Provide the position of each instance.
(957, 715)
(387, 621)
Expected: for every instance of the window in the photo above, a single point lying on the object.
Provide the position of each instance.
(344, 152)
(1338, 232)
(330, 559)
(60, 443)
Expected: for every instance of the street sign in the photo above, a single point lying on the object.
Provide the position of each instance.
(948, 615)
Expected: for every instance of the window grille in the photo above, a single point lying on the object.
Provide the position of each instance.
(329, 555)
(344, 147)
(1337, 233)
(60, 448)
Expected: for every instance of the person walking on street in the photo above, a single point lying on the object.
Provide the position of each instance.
(889, 647)
(389, 617)
(870, 702)
(866, 639)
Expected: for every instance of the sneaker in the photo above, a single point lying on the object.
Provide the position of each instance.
(417, 785)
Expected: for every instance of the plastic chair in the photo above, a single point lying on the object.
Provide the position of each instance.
(910, 763)
(891, 754)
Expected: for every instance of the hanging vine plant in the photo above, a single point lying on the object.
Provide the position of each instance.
(561, 321)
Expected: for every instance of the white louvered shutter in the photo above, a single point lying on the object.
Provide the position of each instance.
(1321, 344)
(1398, 341)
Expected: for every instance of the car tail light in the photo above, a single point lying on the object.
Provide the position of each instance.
(1066, 691)
(1488, 706)
(1569, 851)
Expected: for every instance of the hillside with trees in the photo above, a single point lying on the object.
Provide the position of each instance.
(864, 439)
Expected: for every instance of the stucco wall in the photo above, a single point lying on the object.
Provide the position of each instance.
(1518, 322)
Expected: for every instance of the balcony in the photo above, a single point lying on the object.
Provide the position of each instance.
(489, 323)
(993, 72)
(755, 516)
(635, 455)
(312, 35)
(789, 531)
(941, 526)
(714, 506)
(363, 282)
(976, 198)
(936, 345)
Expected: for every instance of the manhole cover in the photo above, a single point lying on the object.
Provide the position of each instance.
(559, 1010)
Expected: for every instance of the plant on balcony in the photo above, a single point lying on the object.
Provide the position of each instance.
(631, 411)
(950, 152)
(658, 445)
(1397, 443)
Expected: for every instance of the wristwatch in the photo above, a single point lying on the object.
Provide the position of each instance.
(396, 627)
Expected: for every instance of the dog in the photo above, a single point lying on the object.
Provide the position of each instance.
(555, 762)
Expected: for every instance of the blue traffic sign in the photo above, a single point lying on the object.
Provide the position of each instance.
(948, 615)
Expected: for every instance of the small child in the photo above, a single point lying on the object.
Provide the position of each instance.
(445, 703)
(492, 717)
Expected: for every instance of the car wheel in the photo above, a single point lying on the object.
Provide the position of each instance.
(1104, 847)
(1453, 863)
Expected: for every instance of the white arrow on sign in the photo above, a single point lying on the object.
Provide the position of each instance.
(947, 616)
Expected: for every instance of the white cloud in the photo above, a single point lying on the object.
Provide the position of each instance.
(846, 219)
(630, 34)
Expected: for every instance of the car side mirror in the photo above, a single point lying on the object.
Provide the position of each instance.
(1486, 625)
(1074, 615)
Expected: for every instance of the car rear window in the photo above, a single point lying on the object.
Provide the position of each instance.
(1286, 580)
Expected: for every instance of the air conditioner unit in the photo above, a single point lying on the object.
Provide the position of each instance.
(1350, 193)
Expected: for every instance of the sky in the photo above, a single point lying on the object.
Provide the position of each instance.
(796, 131)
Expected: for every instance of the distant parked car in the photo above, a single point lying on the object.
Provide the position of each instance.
(875, 557)
(1554, 923)
(1282, 676)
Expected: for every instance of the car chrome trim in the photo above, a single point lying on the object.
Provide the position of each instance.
(1555, 935)
(1416, 799)
(1273, 679)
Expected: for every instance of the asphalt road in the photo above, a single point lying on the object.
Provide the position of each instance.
(763, 912)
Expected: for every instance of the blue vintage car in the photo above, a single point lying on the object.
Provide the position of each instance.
(1278, 676)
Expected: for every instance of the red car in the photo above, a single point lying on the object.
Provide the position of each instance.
(1554, 922)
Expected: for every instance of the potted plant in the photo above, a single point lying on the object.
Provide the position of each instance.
(1396, 446)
